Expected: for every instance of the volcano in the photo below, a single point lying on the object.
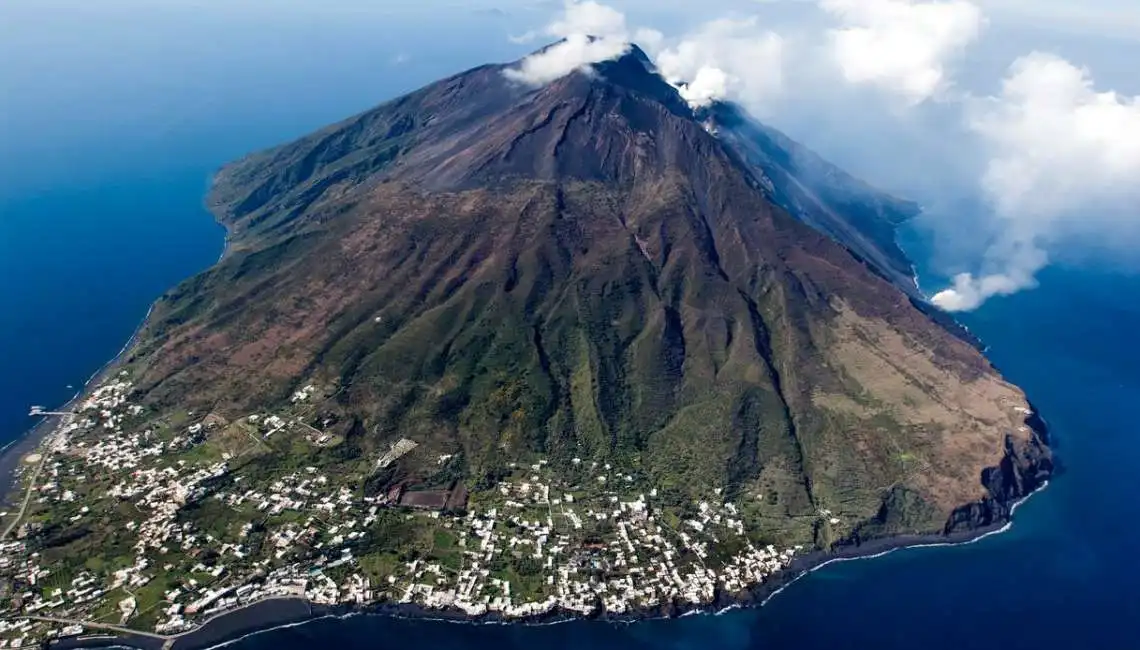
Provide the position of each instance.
(592, 271)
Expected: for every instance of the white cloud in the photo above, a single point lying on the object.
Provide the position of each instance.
(901, 45)
(591, 33)
(708, 85)
(1057, 144)
(649, 40)
(589, 18)
(1064, 161)
(575, 52)
(968, 293)
(722, 59)
(725, 59)
(1057, 159)
(1020, 261)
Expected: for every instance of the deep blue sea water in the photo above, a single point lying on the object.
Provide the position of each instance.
(78, 268)
(93, 230)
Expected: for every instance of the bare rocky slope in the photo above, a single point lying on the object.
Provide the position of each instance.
(592, 270)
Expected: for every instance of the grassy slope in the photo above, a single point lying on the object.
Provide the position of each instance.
(589, 325)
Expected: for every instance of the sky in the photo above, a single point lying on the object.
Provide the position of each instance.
(1014, 122)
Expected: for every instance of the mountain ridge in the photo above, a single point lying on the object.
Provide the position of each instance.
(492, 93)
(584, 268)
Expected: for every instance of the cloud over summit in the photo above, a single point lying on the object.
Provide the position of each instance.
(720, 59)
(1058, 156)
(726, 58)
(591, 32)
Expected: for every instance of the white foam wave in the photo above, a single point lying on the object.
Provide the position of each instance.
(269, 629)
(1012, 509)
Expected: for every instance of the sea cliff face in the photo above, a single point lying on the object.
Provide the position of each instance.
(1025, 468)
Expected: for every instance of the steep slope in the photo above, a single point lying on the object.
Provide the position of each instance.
(820, 194)
(584, 271)
(415, 137)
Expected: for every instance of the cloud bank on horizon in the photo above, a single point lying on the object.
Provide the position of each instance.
(1061, 157)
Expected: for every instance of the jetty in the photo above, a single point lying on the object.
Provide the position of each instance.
(37, 411)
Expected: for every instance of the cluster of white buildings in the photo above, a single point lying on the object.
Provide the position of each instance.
(598, 545)
(643, 564)
(16, 633)
(187, 609)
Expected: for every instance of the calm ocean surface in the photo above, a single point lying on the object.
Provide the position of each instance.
(91, 235)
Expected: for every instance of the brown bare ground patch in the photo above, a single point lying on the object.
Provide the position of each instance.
(426, 499)
(841, 404)
(965, 420)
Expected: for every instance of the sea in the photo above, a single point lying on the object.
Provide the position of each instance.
(92, 232)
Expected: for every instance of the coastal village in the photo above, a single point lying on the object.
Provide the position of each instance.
(181, 530)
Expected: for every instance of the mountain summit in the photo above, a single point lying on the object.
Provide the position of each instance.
(593, 272)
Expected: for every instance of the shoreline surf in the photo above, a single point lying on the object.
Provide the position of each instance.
(267, 615)
(270, 614)
(13, 453)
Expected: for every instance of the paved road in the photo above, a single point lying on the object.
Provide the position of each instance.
(168, 640)
(94, 626)
(27, 497)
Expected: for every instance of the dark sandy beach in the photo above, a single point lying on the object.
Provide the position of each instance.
(272, 613)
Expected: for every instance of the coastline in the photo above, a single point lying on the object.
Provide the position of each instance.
(13, 453)
(275, 613)
(1023, 473)
(271, 614)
